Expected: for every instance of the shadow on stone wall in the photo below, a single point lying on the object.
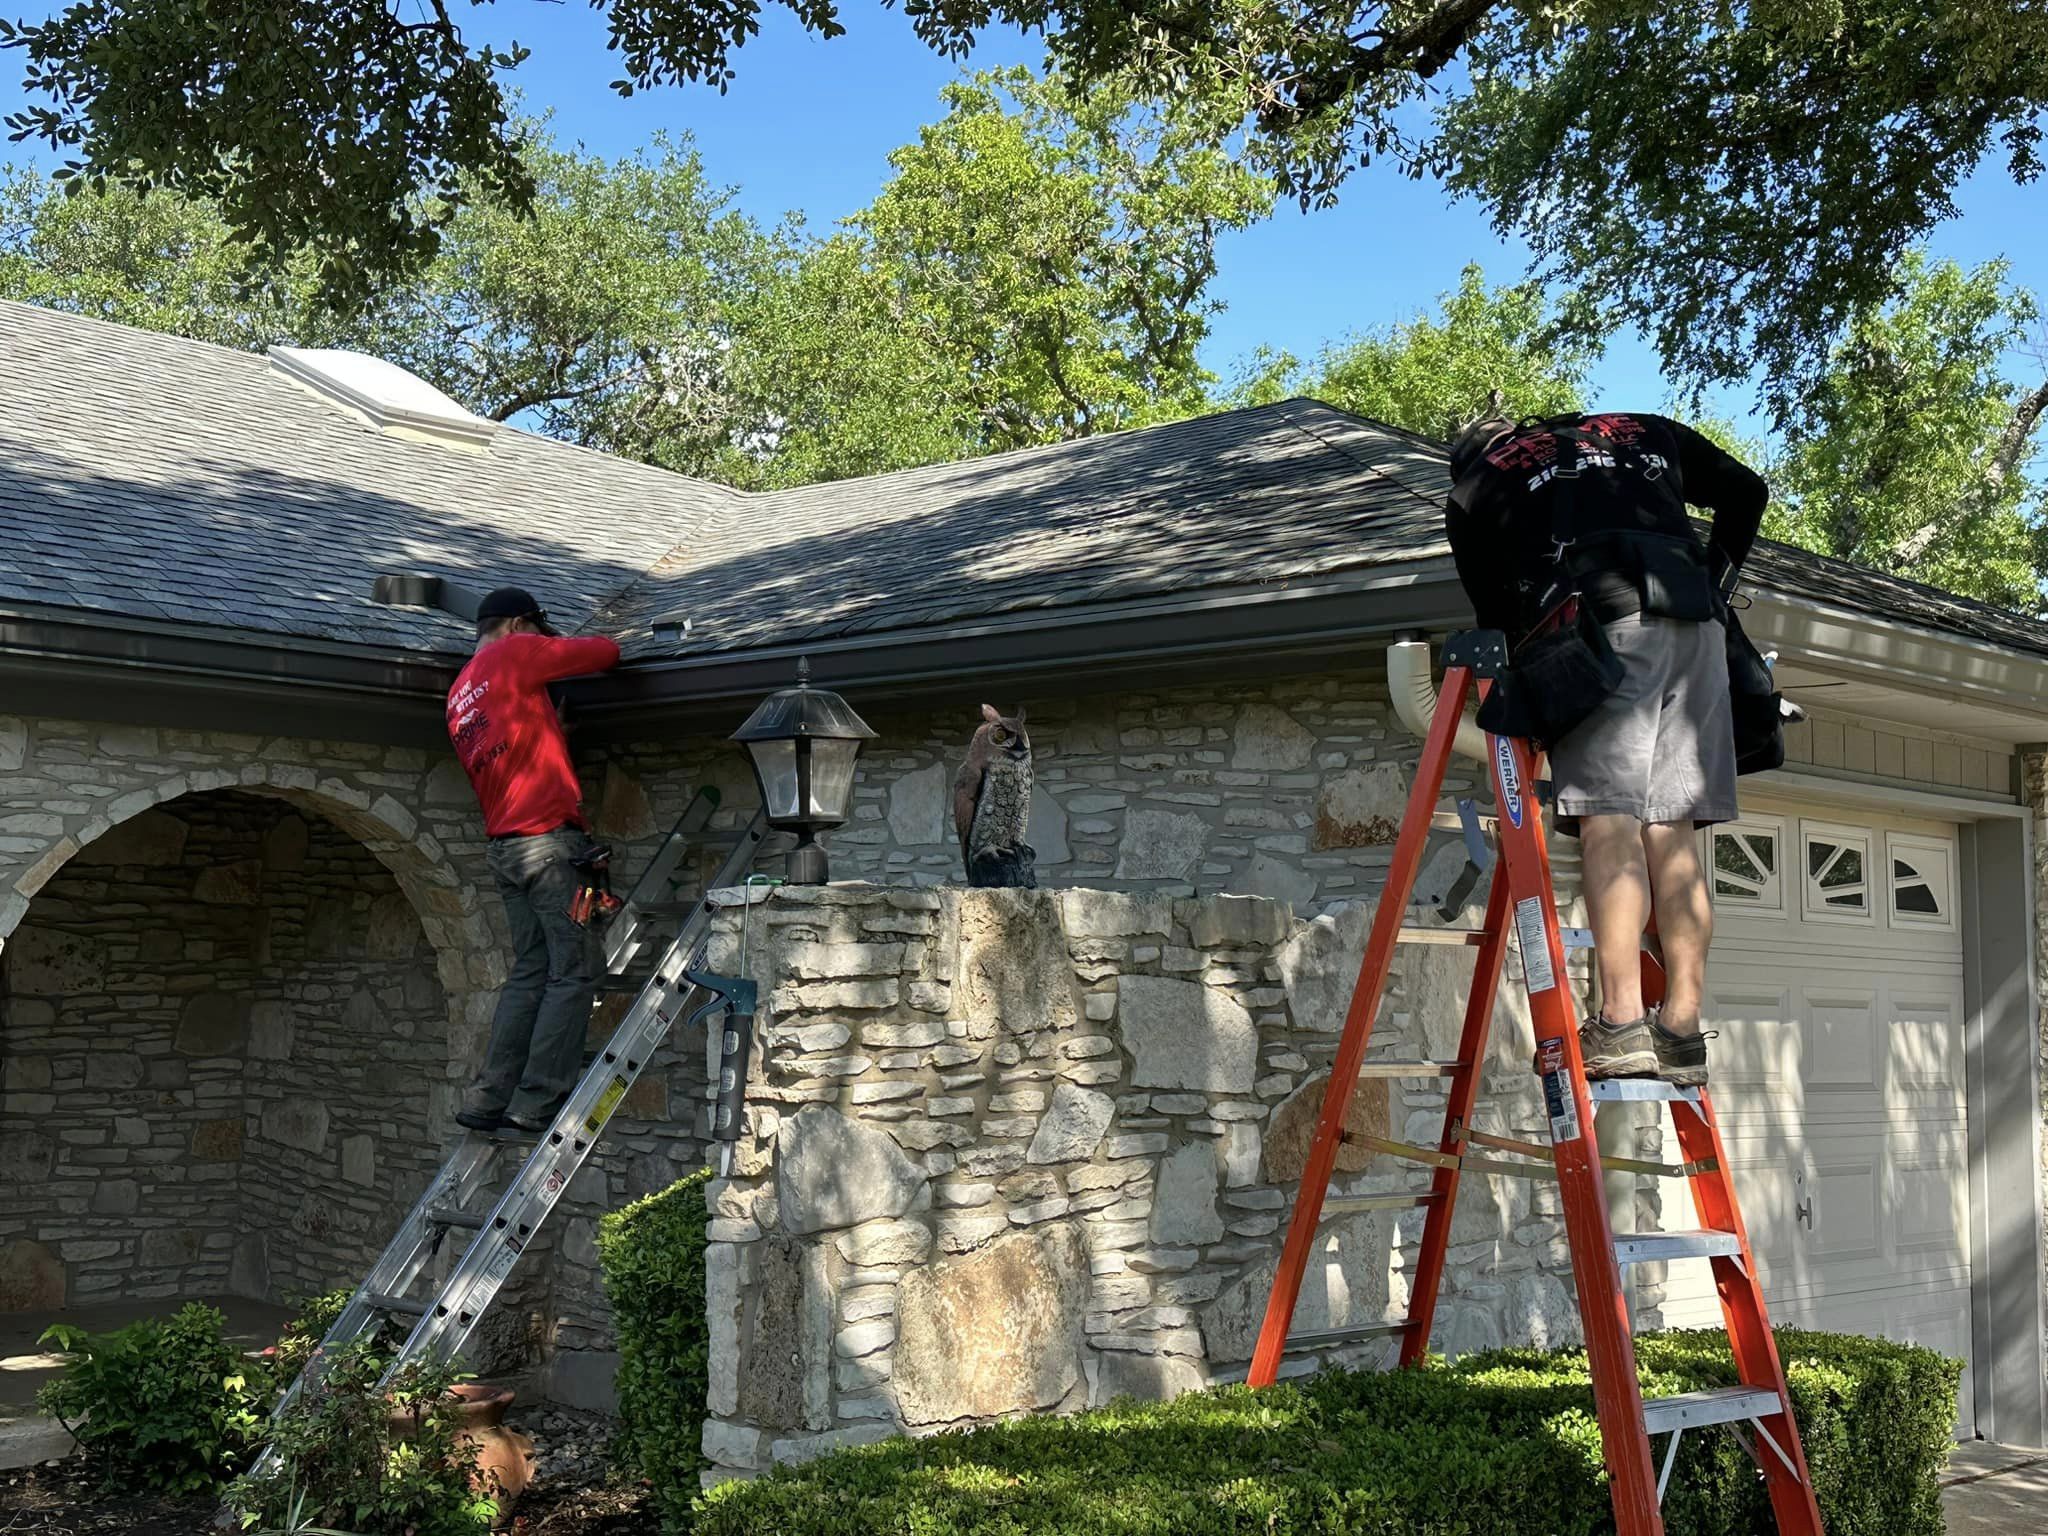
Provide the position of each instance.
(1016, 1152)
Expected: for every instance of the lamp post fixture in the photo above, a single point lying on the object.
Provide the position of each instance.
(803, 743)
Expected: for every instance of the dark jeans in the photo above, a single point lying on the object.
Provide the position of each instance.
(536, 1049)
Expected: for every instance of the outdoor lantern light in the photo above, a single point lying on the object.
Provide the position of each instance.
(803, 742)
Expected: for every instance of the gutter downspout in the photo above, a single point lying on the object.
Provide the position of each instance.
(1413, 689)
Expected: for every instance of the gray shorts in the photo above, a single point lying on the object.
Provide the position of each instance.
(1661, 748)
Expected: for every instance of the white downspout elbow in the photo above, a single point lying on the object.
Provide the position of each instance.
(1410, 682)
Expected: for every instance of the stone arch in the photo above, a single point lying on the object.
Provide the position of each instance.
(447, 904)
(416, 887)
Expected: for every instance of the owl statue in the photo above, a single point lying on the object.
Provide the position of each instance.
(992, 803)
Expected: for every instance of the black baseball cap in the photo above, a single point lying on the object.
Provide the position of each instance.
(512, 603)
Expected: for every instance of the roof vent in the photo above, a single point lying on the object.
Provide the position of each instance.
(392, 400)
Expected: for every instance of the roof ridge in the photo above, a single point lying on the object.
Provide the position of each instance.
(174, 338)
(1370, 467)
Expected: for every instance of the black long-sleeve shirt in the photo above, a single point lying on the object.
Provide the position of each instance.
(1603, 478)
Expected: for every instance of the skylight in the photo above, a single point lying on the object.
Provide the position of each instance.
(394, 401)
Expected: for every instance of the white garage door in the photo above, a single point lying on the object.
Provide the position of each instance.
(1836, 982)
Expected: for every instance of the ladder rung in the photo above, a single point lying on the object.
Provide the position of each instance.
(1451, 821)
(1351, 1205)
(1391, 1067)
(443, 1216)
(1465, 936)
(402, 1305)
(1333, 1336)
(1639, 1090)
(1719, 1405)
(1656, 1247)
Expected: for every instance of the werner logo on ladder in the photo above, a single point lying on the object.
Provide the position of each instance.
(1604, 484)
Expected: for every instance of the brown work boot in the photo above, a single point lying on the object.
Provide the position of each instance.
(1681, 1058)
(1617, 1050)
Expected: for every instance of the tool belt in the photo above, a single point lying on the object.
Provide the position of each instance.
(1562, 671)
(593, 901)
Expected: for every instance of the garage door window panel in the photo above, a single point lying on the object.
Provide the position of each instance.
(1748, 862)
(1922, 881)
(1837, 867)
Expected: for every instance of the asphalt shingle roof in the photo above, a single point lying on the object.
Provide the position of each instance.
(152, 476)
(147, 475)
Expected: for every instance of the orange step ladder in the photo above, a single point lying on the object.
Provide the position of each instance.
(1521, 896)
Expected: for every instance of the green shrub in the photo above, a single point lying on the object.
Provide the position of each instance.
(653, 1257)
(1501, 1444)
(163, 1405)
(343, 1461)
(302, 1335)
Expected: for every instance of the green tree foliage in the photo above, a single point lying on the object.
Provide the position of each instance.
(1741, 179)
(1487, 349)
(1913, 457)
(1036, 269)
(600, 316)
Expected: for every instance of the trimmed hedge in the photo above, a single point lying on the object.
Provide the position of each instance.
(652, 1252)
(1501, 1444)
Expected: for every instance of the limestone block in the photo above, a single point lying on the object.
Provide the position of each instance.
(1293, 1126)
(1046, 830)
(1149, 1378)
(1184, 1205)
(107, 1070)
(217, 1141)
(1241, 1149)
(249, 1269)
(994, 1332)
(213, 1024)
(920, 806)
(447, 784)
(725, 1290)
(829, 962)
(13, 746)
(169, 1248)
(1161, 845)
(1073, 1127)
(239, 884)
(31, 1277)
(870, 992)
(285, 845)
(831, 1172)
(1361, 808)
(734, 1445)
(116, 1197)
(1014, 972)
(1277, 880)
(623, 814)
(885, 1242)
(921, 1032)
(297, 1122)
(963, 1234)
(806, 1039)
(42, 962)
(26, 1157)
(1268, 738)
(393, 932)
(1319, 967)
(1182, 1034)
(1346, 1285)
(152, 839)
(1238, 922)
(359, 1161)
(799, 1449)
(131, 1131)
(1115, 915)
(271, 1026)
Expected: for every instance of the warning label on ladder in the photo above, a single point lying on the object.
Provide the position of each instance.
(1535, 944)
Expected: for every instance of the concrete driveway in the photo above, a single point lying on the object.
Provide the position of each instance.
(1996, 1490)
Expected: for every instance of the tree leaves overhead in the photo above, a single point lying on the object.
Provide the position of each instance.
(1741, 183)
(1739, 178)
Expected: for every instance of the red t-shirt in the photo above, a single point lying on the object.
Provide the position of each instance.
(508, 736)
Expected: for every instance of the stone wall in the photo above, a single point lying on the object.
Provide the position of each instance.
(1021, 1151)
(218, 1027)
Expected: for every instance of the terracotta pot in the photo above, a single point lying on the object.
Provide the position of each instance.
(504, 1457)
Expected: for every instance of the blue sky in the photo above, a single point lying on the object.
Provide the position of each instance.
(809, 124)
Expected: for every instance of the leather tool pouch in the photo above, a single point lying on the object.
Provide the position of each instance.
(1755, 702)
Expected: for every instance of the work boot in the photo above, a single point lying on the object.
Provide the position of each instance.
(1682, 1059)
(1617, 1050)
(478, 1119)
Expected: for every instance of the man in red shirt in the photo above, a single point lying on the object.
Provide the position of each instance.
(509, 739)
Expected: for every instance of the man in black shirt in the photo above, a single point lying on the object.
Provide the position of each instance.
(1595, 507)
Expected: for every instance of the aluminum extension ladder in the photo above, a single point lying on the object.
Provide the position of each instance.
(1521, 894)
(496, 1230)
